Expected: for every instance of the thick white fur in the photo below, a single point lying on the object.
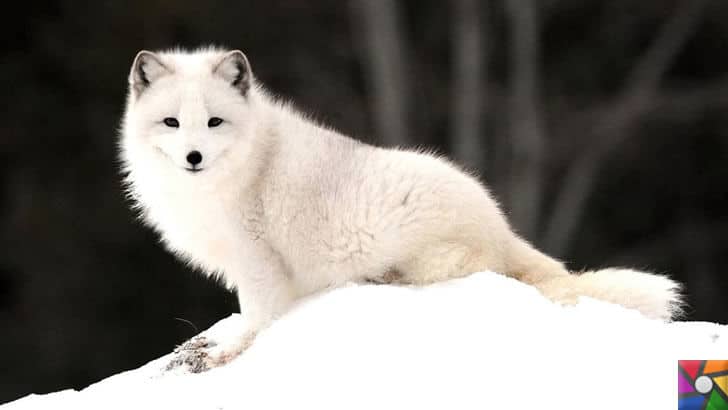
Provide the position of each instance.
(285, 207)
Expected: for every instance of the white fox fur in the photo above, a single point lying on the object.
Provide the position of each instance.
(282, 207)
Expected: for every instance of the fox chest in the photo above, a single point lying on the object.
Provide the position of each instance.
(213, 235)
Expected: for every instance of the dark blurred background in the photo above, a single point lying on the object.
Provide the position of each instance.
(602, 126)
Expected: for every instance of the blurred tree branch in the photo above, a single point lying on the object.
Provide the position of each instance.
(385, 63)
(526, 121)
(689, 237)
(672, 106)
(468, 92)
(609, 131)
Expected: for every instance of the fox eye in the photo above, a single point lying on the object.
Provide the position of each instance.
(171, 122)
(214, 122)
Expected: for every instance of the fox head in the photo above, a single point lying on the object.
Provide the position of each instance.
(188, 115)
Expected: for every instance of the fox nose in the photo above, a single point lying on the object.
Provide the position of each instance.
(194, 157)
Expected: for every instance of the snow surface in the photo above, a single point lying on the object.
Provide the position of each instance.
(485, 341)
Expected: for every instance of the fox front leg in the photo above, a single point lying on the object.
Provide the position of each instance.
(265, 292)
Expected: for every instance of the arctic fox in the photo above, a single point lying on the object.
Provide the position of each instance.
(242, 186)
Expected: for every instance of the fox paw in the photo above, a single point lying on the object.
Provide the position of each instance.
(200, 354)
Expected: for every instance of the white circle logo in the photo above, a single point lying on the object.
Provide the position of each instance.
(703, 384)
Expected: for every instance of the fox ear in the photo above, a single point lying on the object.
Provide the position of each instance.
(235, 69)
(145, 70)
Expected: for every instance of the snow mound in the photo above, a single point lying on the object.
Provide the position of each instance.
(485, 341)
